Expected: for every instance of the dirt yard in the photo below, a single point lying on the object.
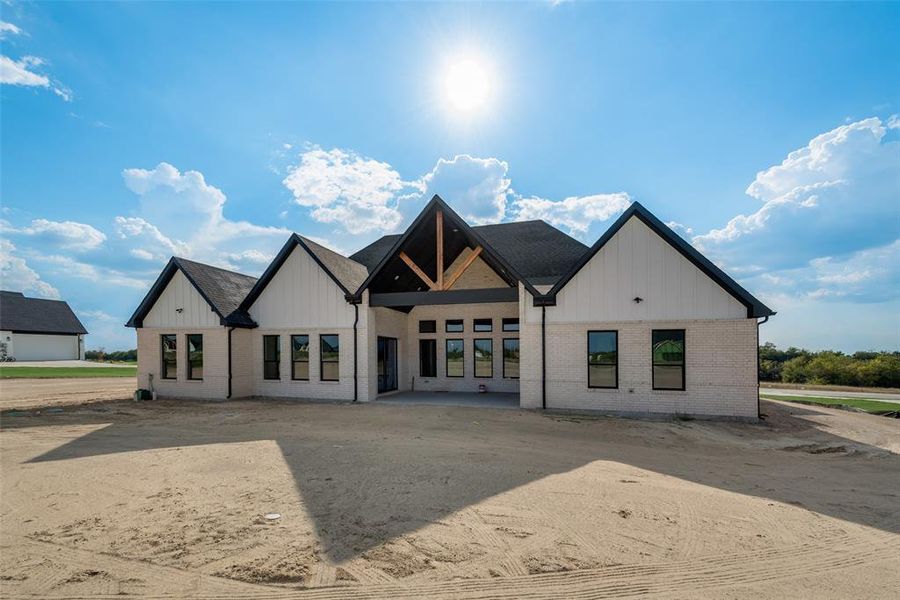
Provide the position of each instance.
(35, 393)
(169, 498)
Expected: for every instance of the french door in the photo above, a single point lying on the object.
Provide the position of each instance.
(387, 364)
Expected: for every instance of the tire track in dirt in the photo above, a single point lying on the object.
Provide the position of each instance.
(66, 559)
(688, 576)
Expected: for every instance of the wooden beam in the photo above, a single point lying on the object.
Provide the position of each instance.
(409, 262)
(404, 299)
(439, 218)
(462, 268)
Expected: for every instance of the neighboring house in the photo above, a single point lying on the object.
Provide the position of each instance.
(38, 329)
(639, 323)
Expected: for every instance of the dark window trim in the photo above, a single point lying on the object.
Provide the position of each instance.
(433, 344)
(490, 324)
(503, 355)
(683, 361)
(602, 387)
(510, 321)
(277, 361)
(322, 360)
(454, 321)
(293, 335)
(162, 357)
(432, 325)
(475, 359)
(447, 359)
(187, 345)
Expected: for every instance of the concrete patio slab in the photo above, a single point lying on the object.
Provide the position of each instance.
(487, 400)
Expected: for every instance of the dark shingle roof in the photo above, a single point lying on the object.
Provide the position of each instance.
(223, 289)
(374, 252)
(347, 270)
(36, 315)
(539, 252)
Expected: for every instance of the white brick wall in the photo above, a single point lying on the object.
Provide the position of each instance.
(720, 367)
(315, 387)
(466, 312)
(215, 363)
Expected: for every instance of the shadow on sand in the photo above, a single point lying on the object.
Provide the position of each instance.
(435, 461)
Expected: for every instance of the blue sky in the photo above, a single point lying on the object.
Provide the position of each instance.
(766, 133)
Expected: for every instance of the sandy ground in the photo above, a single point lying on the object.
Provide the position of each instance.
(34, 393)
(168, 499)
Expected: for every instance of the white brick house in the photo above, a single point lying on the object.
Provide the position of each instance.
(639, 323)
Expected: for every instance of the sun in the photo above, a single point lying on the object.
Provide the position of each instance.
(467, 85)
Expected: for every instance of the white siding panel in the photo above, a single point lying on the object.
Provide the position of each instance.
(637, 262)
(180, 293)
(301, 295)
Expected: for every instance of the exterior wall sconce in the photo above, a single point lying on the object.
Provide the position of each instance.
(179, 310)
(638, 299)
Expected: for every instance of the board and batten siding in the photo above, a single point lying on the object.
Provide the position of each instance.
(181, 293)
(636, 262)
(301, 295)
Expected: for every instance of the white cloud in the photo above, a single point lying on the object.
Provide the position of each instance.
(181, 214)
(251, 256)
(66, 266)
(157, 246)
(142, 254)
(680, 229)
(67, 235)
(21, 73)
(343, 187)
(99, 315)
(362, 195)
(575, 213)
(836, 196)
(7, 29)
(17, 276)
(893, 122)
(478, 188)
(829, 223)
(17, 72)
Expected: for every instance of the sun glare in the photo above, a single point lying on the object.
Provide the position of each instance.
(467, 85)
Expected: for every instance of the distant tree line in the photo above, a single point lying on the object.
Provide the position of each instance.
(119, 355)
(795, 365)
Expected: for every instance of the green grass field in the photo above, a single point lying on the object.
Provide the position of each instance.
(871, 406)
(11, 372)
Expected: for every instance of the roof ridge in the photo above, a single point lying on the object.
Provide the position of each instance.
(180, 259)
(324, 247)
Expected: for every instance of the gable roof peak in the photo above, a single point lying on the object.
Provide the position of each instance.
(755, 308)
(223, 290)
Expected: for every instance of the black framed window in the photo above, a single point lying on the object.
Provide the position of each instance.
(455, 358)
(169, 346)
(427, 326)
(427, 358)
(484, 357)
(453, 326)
(510, 324)
(271, 357)
(329, 357)
(195, 356)
(668, 359)
(483, 325)
(511, 358)
(300, 357)
(603, 359)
